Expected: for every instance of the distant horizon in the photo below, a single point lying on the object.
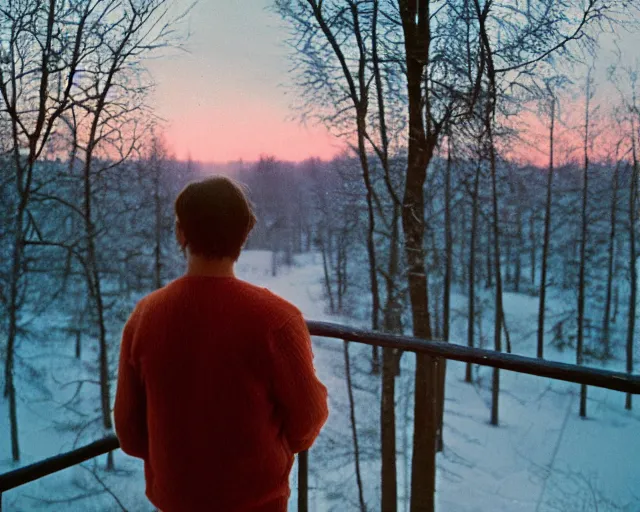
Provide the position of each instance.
(573, 161)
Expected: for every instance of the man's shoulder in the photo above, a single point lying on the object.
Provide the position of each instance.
(150, 302)
(273, 307)
(153, 298)
(270, 310)
(270, 300)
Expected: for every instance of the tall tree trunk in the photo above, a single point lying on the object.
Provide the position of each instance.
(371, 246)
(583, 251)
(362, 106)
(472, 271)
(274, 255)
(495, 390)
(425, 416)
(390, 364)
(327, 276)
(436, 332)
(341, 269)
(354, 430)
(158, 232)
(78, 334)
(417, 38)
(388, 432)
(393, 310)
(508, 278)
(517, 274)
(13, 306)
(533, 248)
(339, 275)
(93, 270)
(95, 290)
(463, 270)
(633, 198)
(358, 93)
(24, 177)
(547, 234)
(96, 294)
(489, 260)
(489, 120)
(606, 319)
(446, 295)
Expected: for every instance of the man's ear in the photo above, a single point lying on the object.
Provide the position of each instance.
(181, 239)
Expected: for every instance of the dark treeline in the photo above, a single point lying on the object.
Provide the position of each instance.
(319, 206)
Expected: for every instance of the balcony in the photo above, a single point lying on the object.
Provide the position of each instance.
(557, 371)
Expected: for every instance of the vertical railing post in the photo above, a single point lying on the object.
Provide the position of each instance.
(303, 481)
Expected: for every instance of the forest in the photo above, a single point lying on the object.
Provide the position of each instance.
(487, 195)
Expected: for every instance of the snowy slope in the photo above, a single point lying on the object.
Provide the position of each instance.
(594, 463)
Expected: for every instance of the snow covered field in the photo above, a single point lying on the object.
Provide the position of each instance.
(542, 458)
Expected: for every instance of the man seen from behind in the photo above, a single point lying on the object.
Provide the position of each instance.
(216, 386)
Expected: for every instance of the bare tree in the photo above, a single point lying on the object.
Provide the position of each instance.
(547, 227)
(392, 315)
(39, 63)
(488, 124)
(416, 27)
(108, 124)
(630, 107)
(157, 162)
(475, 200)
(633, 256)
(430, 109)
(446, 299)
(348, 91)
(583, 240)
(533, 246)
(606, 318)
(354, 431)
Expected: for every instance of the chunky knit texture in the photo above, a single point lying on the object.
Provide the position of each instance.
(217, 392)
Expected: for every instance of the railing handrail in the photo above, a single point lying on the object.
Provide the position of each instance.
(59, 462)
(617, 381)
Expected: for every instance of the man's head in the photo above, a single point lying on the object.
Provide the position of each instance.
(213, 218)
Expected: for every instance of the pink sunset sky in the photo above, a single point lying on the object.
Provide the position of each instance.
(229, 96)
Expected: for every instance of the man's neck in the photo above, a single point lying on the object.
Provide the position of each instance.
(199, 266)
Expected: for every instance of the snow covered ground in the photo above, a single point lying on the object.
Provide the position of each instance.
(542, 458)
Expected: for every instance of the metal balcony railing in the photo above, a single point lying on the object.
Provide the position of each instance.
(617, 381)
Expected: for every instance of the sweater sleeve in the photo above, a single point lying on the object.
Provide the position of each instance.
(130, 405)
(301, 398)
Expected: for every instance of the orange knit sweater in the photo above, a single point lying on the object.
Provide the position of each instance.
(216, 392)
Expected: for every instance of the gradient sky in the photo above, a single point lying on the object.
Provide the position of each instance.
(227, 98)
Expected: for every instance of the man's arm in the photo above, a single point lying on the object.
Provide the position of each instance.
(301, 397)
(130, 410)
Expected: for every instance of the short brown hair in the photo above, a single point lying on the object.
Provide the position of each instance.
(215, 216)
